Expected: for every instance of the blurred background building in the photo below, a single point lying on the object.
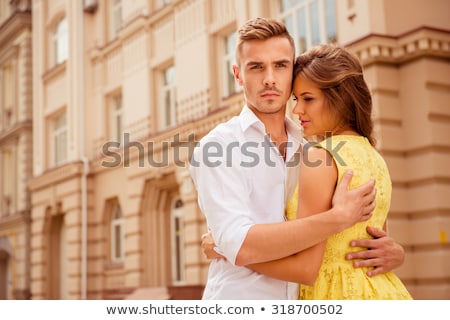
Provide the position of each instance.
(101, 102)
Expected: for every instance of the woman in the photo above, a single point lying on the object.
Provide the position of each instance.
(334, 106)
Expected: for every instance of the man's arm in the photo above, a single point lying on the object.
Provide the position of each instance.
(222, 193)
(266, 242)
(223, 199)
(382, 253)
(313, 197)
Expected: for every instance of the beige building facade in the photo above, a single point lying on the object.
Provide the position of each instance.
(119, 91)
(15, 148)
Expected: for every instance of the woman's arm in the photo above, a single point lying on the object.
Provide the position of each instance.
(317, 182)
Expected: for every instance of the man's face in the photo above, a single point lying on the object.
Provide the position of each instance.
(265, 73)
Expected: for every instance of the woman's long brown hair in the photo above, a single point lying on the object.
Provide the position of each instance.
(340, 76)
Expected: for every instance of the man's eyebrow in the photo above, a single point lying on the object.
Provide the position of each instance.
(283, 61)
(252, 63)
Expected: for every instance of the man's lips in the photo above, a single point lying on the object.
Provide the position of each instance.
(270, 94)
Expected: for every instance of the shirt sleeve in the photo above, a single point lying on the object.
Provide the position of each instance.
(223, 194)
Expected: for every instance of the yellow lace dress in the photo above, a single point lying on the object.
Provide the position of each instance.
(337, 278)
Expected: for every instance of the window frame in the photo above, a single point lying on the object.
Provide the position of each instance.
(177, 242)
(117, 236)
(58, 131)
(228, 60)
(115, 17)
(168, 113)
(116, 118)
(9, 175)
(60, 41)
(8, 94)
(292, 12)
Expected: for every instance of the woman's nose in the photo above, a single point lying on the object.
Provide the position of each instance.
(298, 109)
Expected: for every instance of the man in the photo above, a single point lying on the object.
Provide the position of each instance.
(244, 171)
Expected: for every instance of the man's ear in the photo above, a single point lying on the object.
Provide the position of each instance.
(237, 74)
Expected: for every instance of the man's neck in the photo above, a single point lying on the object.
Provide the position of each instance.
(278, 135)
(275, 126)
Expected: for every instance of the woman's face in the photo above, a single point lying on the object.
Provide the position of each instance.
(311, 107)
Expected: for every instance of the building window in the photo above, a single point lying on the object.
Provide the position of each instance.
(61, 42)
(60, 138)
(231, 86)
(311, 22)
(117, 119)
(116, 16)
(117, 234)
(9, 181)
(7, 96)
(177, 242)
(169, 111)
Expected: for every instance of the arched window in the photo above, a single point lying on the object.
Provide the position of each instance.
(117, 234)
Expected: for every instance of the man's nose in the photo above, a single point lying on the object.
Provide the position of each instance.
(269, 78)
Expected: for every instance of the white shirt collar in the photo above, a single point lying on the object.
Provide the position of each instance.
(247, 119)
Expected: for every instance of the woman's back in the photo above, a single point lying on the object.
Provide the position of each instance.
(337, 278)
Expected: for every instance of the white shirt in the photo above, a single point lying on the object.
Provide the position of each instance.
(242, 180)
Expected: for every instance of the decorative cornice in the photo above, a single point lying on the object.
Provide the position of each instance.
(420, 42)
(14, 220)
(13, 25)
(132, 27)
(56, 175)
(54, 72)
(8, 52)
(15, 131)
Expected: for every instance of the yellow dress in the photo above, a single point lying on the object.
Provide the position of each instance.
(337, 278)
